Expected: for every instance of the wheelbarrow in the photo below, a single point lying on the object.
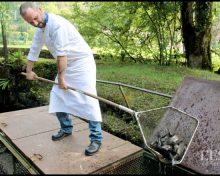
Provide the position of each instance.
(155, 126)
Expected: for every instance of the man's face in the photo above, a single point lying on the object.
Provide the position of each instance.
(35, 17)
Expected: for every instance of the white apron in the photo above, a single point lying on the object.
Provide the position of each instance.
(80, 72)
(72, 102)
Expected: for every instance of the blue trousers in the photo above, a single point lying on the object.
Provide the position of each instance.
(66, 125)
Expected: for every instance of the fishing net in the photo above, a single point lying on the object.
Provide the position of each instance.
(168, 131)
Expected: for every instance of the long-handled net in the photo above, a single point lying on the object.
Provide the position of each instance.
(167, 132)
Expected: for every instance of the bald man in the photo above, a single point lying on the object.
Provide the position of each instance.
(76, 67)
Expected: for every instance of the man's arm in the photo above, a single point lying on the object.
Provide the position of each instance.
(30, 74)
(61, 67)
(37, 43)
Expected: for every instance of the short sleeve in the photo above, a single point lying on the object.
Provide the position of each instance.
(37, 44)
(60, 37)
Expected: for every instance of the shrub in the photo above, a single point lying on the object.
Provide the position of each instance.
(15, 91)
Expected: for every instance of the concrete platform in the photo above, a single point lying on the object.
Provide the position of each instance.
(30, 131)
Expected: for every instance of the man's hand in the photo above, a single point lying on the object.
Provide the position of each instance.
(62, 84)
(31, 75)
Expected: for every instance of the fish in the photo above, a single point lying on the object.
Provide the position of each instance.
(170, 146)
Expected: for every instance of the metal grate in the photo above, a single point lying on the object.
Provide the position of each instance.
(19, 168)
(142, 163)
(130, 165)
(9, 164)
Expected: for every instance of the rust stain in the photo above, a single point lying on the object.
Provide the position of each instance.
(36, 157)
(4, 124)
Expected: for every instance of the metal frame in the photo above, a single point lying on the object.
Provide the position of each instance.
(137, 118)
(160, 157)
(18, 155)
(134, 87)
(121, 85)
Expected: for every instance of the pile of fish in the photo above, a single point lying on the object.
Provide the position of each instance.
(171, 146)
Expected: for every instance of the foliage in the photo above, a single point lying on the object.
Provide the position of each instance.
(46, 68)
(125, 31)
(165, 25)
(4, 15)
(15, 91)
(4, 83)
(128, 30)
(18, 38)
(18, 55)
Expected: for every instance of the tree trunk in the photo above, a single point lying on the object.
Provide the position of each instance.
(4, 39)
(196, 33)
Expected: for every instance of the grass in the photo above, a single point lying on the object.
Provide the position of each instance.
(215, 62)
(163, 79)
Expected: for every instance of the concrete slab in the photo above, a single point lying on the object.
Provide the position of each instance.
(23, 123)
(31, 129)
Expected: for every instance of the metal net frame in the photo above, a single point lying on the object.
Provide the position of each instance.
(167, 125)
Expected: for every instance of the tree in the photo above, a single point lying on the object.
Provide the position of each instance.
(196, 31)
(3, 17)
(164, 25)
(111, 24)
(140, 30)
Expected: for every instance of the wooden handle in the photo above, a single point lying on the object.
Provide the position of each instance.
(130, 111)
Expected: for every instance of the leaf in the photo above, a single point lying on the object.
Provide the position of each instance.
(4, 83)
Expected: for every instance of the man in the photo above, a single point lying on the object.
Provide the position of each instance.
(76, 67)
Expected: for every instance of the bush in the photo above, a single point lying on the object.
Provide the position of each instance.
(16, 92)
(46, 68)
